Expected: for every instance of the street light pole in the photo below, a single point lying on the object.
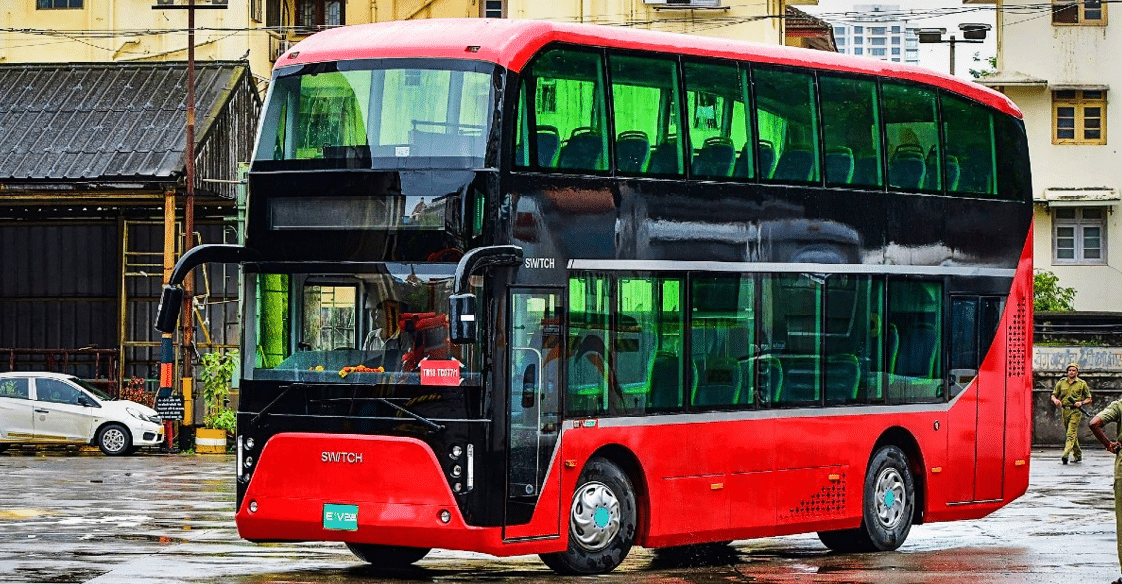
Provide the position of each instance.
(972, 32)
(187, 339)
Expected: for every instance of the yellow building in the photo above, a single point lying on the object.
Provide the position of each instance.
(38, 31)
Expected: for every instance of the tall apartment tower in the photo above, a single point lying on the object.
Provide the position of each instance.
(877, 31)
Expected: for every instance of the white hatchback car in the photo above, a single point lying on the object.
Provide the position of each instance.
(54, 408)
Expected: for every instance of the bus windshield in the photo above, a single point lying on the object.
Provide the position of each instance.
(384, 326)
(381, 114)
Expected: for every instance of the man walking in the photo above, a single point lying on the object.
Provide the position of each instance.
(1070, 394)
(1112, 413)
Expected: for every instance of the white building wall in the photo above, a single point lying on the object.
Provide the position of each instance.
(1066, 57)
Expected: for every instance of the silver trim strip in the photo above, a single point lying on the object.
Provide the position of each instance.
(764, 267)
(654, 419)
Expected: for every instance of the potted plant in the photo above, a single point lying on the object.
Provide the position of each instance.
(218, 419)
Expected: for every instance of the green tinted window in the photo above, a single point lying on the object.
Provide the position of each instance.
(588, 360)
(787, 118)
(722, 327)
(852, 130)
(718, 123)
(791, 330)
(854, 339)
(566, 126)
(910, 114)
(645, 108)
(971, 158)
(648, 344)
(915, 317)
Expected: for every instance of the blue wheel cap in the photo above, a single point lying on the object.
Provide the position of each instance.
(601, 517)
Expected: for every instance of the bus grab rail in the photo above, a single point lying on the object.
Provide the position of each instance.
(171, 300)
(461, 304)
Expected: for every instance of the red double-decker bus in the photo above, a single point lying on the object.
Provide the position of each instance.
(526, 287)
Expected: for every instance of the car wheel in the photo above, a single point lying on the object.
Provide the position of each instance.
(887, 508)
(114, 440)
(387, 556)
(602, 521)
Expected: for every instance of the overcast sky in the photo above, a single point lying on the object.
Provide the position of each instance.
(946, 14)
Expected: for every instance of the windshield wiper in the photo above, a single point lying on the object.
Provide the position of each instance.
(284, 392)
(431, 425)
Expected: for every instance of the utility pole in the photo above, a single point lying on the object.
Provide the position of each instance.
(187, 343)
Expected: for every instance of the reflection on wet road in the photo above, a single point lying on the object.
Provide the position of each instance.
(167, 519)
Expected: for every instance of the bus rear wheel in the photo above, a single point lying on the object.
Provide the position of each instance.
(888, 505)
(387, 556)
(602, 521)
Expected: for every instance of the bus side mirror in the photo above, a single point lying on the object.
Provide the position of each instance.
(171, 303)
(461, 309)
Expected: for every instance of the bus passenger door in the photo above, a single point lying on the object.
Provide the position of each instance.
(536, 352)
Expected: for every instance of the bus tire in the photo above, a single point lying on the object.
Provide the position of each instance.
(602, 522)
(387, 556)
(888, 506)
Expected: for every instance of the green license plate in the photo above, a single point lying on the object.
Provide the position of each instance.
(340, 517)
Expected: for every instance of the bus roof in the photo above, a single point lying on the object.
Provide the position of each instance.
(511, 43)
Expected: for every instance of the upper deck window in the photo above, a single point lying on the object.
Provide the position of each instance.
(380, 117)
(562, 121)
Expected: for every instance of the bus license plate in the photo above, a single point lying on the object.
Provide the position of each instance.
(340, 517)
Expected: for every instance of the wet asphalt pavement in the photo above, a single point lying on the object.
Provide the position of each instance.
(66, 517)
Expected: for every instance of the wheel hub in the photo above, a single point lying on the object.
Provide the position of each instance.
(595, 516)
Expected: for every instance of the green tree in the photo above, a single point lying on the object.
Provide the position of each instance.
(217, 373)
(1049, 296)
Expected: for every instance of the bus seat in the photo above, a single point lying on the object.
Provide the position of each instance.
(549, 142)
(839, 165)
(770, 381)
(633, 150)
(931, 171)
(800, 379)
(795, 165)
(918, 347)
(865, 171)
(665, 158)
(907, 168)
(843, 374)
(718, 382)
(954, 172)
(664, 383)
(767, 159)
(892, 341)
(715, 159)
(584, 150)
(588, 374)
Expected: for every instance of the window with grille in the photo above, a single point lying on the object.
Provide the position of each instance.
(1079, 235)
(52, 4)
(493, 8)
(1079, 116)
(318, 14)
(1085, 12)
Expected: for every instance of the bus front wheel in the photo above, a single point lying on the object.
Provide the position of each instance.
(387, 556)
(602, 521)
(888, 505)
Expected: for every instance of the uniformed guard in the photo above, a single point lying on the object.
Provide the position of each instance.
(1071, 393)
(1113, 413)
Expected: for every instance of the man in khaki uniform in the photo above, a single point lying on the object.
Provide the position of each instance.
(1112, 413)
(1070, 394)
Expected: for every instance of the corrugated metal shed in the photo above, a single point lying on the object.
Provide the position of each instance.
(116, 122)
